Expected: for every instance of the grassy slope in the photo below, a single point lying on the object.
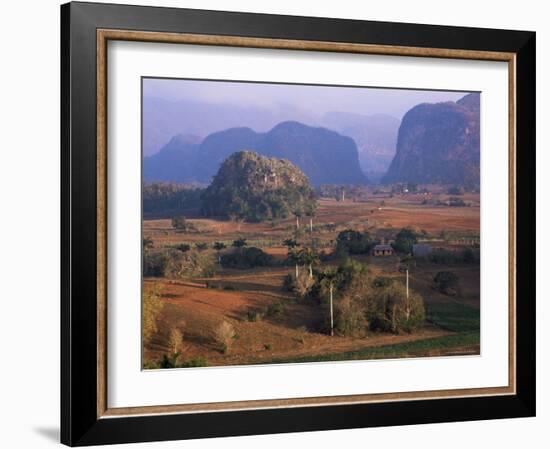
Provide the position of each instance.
(452, 316)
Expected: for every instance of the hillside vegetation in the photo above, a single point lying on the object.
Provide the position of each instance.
(256, 188)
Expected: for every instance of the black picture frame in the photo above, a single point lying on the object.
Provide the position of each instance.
(80, 424)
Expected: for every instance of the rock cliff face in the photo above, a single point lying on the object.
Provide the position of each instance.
(438, 143)
(325, 156)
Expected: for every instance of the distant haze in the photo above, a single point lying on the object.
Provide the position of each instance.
(200, 108)
(316, 100)
(192, 110)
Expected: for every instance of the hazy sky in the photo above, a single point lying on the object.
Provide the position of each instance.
(314, 99)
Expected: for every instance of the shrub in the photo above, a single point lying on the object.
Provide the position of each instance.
(151, 365)
(183, 247)
(446, 282)
(229, 287)
(253, 315)
(268, 347)
(169, 362)
(303, 284)
(391, 310)
(239, 243)
(201, 246)
(275, 309)
(172, 362)
(224, 334)
(181, 224)
(152, 307)
(246, 258)
(154, 264)
(349, 270)
(175, 340)
(382, 281)
(195, 363)
(190, 264)
(350, 317)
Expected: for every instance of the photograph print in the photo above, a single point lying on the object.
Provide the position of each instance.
(289, 223)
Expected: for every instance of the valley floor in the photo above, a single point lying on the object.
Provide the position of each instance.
(294, 334)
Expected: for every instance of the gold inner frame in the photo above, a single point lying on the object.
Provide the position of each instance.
(104, 35)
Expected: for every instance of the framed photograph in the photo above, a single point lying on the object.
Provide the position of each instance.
(282, 224)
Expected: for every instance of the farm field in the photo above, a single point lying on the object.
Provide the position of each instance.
(272, 325)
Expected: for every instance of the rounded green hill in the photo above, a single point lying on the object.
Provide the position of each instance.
(257, 188)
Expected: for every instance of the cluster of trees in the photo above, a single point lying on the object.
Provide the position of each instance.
(457, 202)
(411, 187)
(404, 241)
(343, 192)
(180, 223)
(298, 256)
(176, 264)
(356, 303)
(241, 256)
(349, 242)
(247, 187)
(246, 258)
(447, 257)
(169, 196)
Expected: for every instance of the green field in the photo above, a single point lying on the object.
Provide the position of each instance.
(446, 345)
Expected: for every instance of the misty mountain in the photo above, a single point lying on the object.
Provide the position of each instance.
(438, 143)
(163, 119)
(175, 161)
(325, 156)
(375, 136)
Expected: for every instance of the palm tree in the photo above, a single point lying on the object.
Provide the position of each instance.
(310, 212)
(310, 257)
(292, 255)
(296, 257)
(329, 278)
(297, 214)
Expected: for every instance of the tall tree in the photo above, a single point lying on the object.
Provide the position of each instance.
(330, 280)
(291, 244)
(309, 257)
(310, 212)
